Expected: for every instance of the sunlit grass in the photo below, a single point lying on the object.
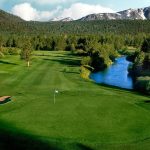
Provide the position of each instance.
(85, 115)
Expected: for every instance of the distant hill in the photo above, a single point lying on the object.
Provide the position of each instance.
(7, 17)
(129, 14)
(12, 24)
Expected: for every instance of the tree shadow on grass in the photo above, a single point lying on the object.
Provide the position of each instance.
(66, 56)
(13, 139)
(144, 104)
(67, 61)
(6, 62)
(70, 72)
(147, 101)
(114, 87)
(83, 147)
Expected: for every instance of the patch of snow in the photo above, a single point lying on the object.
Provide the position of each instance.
(56, 19)
(118, 14)
(128, 13)
(112, 18)
(141, 13)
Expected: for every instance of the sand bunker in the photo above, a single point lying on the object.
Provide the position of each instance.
(4, 99)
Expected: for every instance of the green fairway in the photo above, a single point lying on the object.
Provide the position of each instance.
(85, 116)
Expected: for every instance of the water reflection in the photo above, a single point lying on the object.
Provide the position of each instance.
(116, 74)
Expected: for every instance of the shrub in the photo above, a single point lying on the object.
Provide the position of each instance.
(146, 45)
(143, 84)
(146, 62)
(99, 62)
(140, 58)
(10, 51)
(80, 52)
(13, 51)
(1, 54)
(86, 60)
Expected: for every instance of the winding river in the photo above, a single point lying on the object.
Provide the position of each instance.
(115, 75)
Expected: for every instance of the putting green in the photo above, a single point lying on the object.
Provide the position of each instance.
(85, 115)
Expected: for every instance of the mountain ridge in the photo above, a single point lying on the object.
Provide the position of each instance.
(5, 16)
(67, 19)
(129, 14)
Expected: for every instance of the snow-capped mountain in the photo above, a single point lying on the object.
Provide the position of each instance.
(66, 19)
(130, 14)
(102, 16)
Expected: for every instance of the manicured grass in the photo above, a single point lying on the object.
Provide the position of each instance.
(85, 116)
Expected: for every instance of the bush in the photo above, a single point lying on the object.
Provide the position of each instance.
(143, 84)
(132, 56)
(140, 58)
(13, 51)
(1, 54)
(10, 51)
(146, 62)
(146, 45)
(80, 52)
(99, 62)
(86, 60)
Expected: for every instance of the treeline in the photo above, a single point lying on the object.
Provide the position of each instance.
(141, 67)
(8, 26)
(69, 42)
(99, 51)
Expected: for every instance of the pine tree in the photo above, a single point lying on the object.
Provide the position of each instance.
(146, 46)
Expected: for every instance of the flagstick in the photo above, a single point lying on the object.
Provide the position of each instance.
(55, 92)
(54, 98)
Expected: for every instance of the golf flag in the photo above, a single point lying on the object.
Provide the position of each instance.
(56, 91)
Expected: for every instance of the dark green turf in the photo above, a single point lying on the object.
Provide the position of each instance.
(85, 116)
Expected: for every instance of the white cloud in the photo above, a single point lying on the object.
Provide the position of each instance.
(53, 1)
(27, 12)
(79, 10)
(75, 11)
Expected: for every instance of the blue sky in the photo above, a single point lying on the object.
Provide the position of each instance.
(47, 9)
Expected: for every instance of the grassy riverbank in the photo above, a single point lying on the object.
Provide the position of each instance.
(85, 115)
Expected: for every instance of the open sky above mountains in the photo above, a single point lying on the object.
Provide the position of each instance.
(42, 10)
